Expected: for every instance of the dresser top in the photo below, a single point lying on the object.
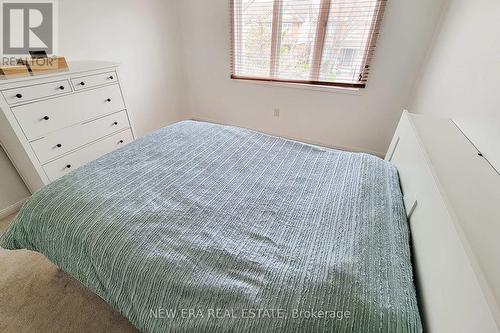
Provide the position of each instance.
(75, 67)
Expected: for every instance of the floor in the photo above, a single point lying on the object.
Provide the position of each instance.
(35, 296)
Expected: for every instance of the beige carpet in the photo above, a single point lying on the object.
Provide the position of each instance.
(35, 296)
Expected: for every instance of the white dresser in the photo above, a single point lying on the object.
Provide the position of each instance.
(451, 193)
(53, 124)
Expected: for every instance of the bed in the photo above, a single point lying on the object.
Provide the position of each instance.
(208, 228)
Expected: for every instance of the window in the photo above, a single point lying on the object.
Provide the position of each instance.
(346, 58)
(322, 42)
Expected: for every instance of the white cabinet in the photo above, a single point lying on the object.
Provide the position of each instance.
(70, 162)
(42, 118)
(68, 139)
(455, 261)
(52, 124)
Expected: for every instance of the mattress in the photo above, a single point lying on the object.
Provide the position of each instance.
(207, 228)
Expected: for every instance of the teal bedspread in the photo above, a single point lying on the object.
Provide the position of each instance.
(207, 228)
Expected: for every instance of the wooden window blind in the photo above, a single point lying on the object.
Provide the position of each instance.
(319, 42)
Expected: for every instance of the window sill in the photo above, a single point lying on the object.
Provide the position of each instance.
(330, 89)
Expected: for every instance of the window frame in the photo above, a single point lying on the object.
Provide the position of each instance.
(317, 50)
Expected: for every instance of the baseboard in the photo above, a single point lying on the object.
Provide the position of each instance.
(6, 212)
(311, 142)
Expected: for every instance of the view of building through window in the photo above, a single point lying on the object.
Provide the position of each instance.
(297, 43)
(326, 41)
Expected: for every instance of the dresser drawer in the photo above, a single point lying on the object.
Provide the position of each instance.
(25, 94)
(71, 138)
(85, 82)
(41, 118)
(73, 161)
(410, 160)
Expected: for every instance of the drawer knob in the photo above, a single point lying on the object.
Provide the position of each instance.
(111, 77)
(82, 83)
(46, 118)
(19, 96)
(59, 145)
(115, 123)
(61, 88)
(68, 166)
(108, 100)
(120, 142)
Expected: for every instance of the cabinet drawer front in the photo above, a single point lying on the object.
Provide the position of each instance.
(71, 162)
(410, 160)
(24, 94)
(42, 118)
(71, 138)
(85, 82)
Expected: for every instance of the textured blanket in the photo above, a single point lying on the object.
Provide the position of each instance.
(206, 228)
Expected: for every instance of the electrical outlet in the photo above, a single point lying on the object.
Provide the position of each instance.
(277, 113)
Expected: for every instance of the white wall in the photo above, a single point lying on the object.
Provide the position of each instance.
(463, 66)
(459, 79)
(359, 122)
(144, 37)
